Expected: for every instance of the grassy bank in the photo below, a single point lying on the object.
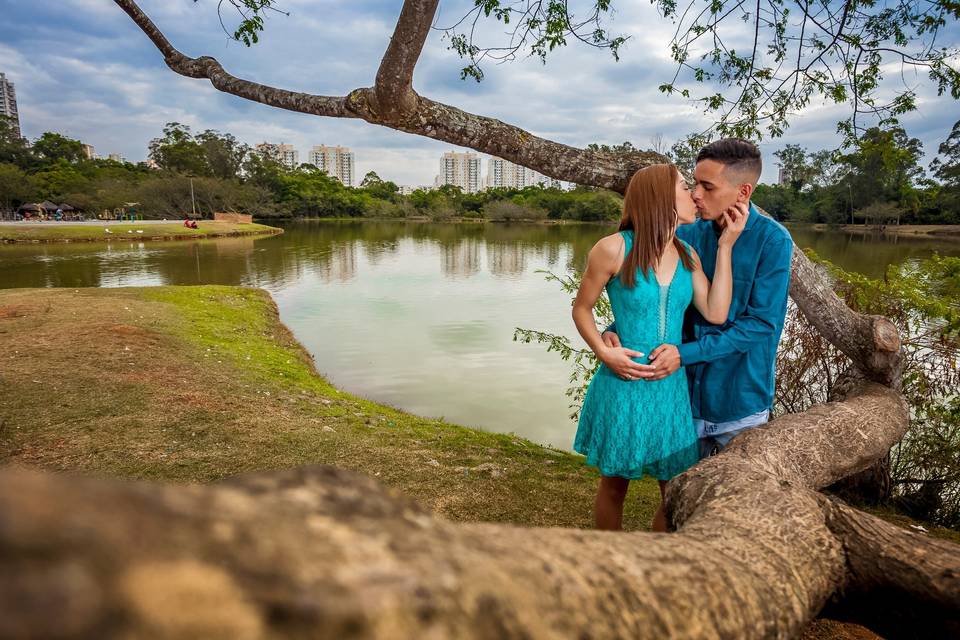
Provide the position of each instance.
(116, 230)
(197, 383)
(943, 231)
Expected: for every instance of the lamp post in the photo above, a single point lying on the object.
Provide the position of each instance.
(193, 204)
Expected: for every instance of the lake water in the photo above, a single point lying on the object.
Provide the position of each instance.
(416, 315)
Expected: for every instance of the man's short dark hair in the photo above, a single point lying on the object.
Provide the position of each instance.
(741, 157)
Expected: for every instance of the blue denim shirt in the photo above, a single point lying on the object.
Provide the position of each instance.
(730, 367)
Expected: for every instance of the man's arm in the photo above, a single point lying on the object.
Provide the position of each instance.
(610, 336)
(768, 300)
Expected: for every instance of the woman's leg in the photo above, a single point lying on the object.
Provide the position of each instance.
(660, 517)
(608, 508)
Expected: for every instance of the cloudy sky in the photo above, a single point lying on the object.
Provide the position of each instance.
(82, 68)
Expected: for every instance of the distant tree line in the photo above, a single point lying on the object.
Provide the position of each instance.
(879, 181)
(227, 175)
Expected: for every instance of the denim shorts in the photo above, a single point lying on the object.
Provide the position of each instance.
(714, 436)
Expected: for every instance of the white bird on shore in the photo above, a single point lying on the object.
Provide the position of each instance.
(105, 230)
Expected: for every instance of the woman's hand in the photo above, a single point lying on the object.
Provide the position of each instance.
(619, 360)
(735, 218)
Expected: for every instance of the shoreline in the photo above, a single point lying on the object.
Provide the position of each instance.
(936, 231)
(153, 230)
(418, 219)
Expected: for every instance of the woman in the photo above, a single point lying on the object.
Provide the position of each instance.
(630, 426)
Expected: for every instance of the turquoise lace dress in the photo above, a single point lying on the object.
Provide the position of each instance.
(632, 428)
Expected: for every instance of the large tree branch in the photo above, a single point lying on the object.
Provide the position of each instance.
(560, 161)
(413, 113)
(326, 553)
(891, 568)
(871, 342)
(394, 85)
(209, 68)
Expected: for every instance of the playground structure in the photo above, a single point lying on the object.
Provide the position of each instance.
(127, 212)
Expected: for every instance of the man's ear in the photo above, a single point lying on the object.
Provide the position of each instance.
(744, 193)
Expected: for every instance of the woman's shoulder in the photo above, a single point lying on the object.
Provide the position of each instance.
(618, 236)
(612, 243)
(608, 251)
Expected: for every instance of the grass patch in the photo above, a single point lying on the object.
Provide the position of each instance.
(192, 384)
(66, 232)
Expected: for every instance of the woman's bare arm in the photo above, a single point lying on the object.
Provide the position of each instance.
(604, 263)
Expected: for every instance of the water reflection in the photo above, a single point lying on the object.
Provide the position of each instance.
(870, 253)
(416, 315)
(506, 259)
(460, 259)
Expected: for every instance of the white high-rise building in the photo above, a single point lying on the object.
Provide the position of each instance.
(461, 170)
(505, 174)
(8, 104)
(285, 154)
(88, 152)
(336, 161)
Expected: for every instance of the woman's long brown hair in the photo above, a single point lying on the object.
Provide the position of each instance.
(650, 211)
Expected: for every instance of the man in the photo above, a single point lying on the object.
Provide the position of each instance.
(730, 367)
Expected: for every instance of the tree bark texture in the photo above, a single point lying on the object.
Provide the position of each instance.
(318, 552)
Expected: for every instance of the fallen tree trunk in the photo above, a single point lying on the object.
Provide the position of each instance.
(322, 553)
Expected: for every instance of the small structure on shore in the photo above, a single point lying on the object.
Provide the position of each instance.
(30, 210)
(46, 210)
